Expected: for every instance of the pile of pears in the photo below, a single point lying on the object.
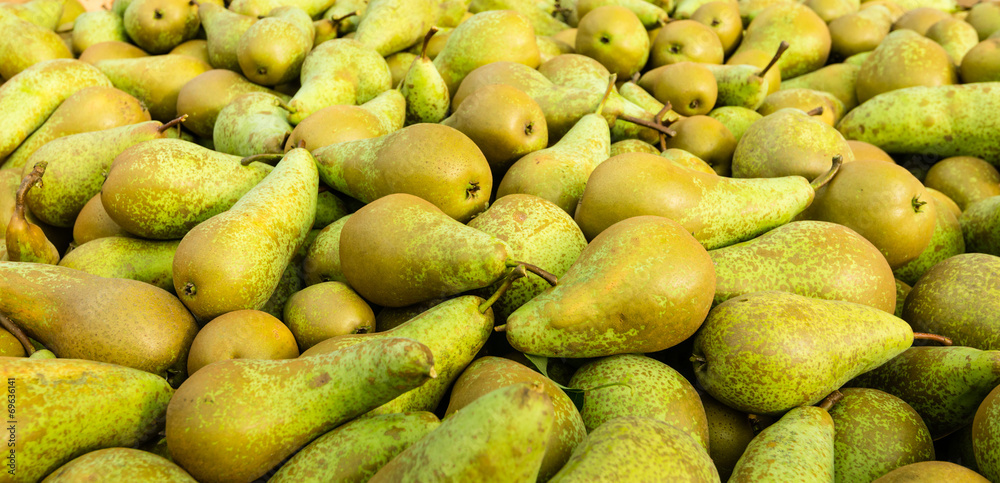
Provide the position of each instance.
(500, 240)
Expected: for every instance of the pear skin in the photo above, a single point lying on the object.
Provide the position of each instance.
(149, 261)
(119, 464)
(798, 447)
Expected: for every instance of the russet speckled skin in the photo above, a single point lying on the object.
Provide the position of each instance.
(28, 98)
(768, 352)
(149, 261)
(120, 465)
(904, 59)
(642, 285)
(798, 447)
(986, 436)
(788, 142)
(837, 79)
(634, 448)
(797, 24)
(62, 410)
(355, 451)
(981, 226)
(946, 242)
(339, 71)
(943, 384)
(252, 123)
(500, 437)
(389, 26)
(203, 97)
(487, 37)
(489, 373)
(876, 433)
(652, 389)
(236, 419)
(959, 298)
(811, 258)
(155, 80)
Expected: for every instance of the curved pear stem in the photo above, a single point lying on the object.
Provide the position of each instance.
(33, 178)
(336, 20)
(172, 123)
(945, 341)
(652, 125)
(818, 111)
(262, 158)
(659, 120)
(535, 269)
(830, 400)
(284, 105)
(427, 40)
(607, 93)
(635, 78)
(500, 328)
(825, 178)
(514, 274)
(782, 47)
(19, 334)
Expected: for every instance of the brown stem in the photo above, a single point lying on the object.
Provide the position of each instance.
(17, 333)
(945, 341)
(607, 93)
(659, 120)
(500, 328)
(515, 274)
(815, 112)
(263, 158)
(635, 78)
(535, 269)
(284, 105)
(33, 178)
(825, 178)
(171, 123)
(830, 400)
(337, 20)
(774, 60)
(652, 125)
(427, 40)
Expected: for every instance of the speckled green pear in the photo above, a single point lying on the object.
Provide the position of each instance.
(542, 19)
(797, 24)
(426, 94)
(236, 419)
(155, 80)
(811, 258)
(485, 38)
(67, 397)
(643, 285)
(29, 98)
(322, 261)
(499, 437)
(43, 13)
(454, 331)
(798, 447)
(260, 8)
(980, 224)
(272, 50)
(958, 298)
(903, 59)
(203, 97)
(120, 465)
(339, 71)
(739, 85)
(932, 471)
(876, 433)
(149, 261)
(986, 435)
(634, 448)
(651, 389)
(162, 188)
(253, 123)
(27, 44)
(768, 352)
(946, 242)
(78, 315)
(157, 26)
(837, 79)
(234, 260)
(737, 119)
(352, 453)
(389, 26)
(943, 384)
(788, 142)
(223, 29)
(95, 27)
(650, 13)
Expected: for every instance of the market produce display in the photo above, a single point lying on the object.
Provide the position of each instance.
(500, 240)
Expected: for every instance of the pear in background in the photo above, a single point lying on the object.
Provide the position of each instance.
(981, 226)
(203, 97)
(388, 26)
(339, 71)
(985, 435)
(736, 119)
(615, 37)
(157, 26)
(729, 431)
(336, 124)
(119, 464)
(860, 31)
(43, 13)
(252, 123)
(837, 79)
(797, 447)
(955, 36)
(155, 80)
(924, 63)
(946, 242)
(807, 34)
(149, 261)
(964, 179)
(806, 148)
(111, 50)
(241, 334)
(932, 471)
(487, 37)
(706, 138)
(223, 29)
(26, 45)
(325, 310)
(272, 50)
(93, 223)
(25, 241)
(821, 105)
(195, 48)
(322, 261)
(426, 94)
(95, 27)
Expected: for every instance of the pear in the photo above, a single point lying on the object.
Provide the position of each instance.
(544, 18)
(687, 160)
(223, 29)
(154, 80)
(203, 97)
(434, 162)
(955, 36)
(651, 14)
(821, 105)
(41, 389)
(981, 226)
(388, 26)
(964, 179)
(925, 63)
(685, 41)
(25, 241)
(95, 27)
(93, 222)
(260, 8)
(985, 433)
(91, 109)
(272, 50)
(325, 310)
(241, 334)
(29, 98)
(739, 85)
(27, 45)
(110, 50)
(120, 257)
(736, 119)
(801, 367)
(806, 149)
(120, 464)
(340, 71)
(252, 123)
(876, 433)
(724, 18)
(426, 94)
(10, 346)
(322, 260)
(863, 150)
(633, 146)
(919, 19)
(706, 138)
(305, 397)
(501, 434)
(235, 259)
(195, 48)
(729, 431)
(946, 242)
(356, 450)
(798, 447)
(931, 471)
(157, 26)
(956, 299)
(615, 37)
(807, 34)
(691, 98)
(980, 62)
(810, 258)
(635, 448)
(654, 305)
(337, 124)
(487, 37)
(860, 31)
(837, 79)
(43, 13)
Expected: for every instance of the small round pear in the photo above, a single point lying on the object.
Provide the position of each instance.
(689, 87)
(920, 20)
(241, 334)
(863, 150)
(955, 36)
(112, 49)
(157, 26)
(335, 124)
(706, 138)
(10, 346)
(324, 310)
(614, 36)
(985, 18)
(982, 62)
(723, 18)
(686, 40)
(964, 179)
(904, 59)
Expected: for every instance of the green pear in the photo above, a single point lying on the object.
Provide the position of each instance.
(426, 94)
(485, 38)
(800, 26)
(212, 428)
(326, 310)
(388, 26)
(322, 261)
(798, 447)
(252, 123)
(24, 240)
(203, 97)
(859, 31)
(434, 162)
(543, 18)
(29, 98)
(931, 471)
(981, 226)
(964, 179)
(157, 26)
(235, 259)
(810, 258)
(223, 29)
(806, 148)
(26, 45)
(260, 8)
(736, 119)
(905, 59)
(110, 50)
(955, 36)
(120, 464)
(382, 115)
(615, 37)
(837, 79)
(801, 366)
(151, 333)
(149, 261)
(93, 222)
(636, 448)
(340, 71)
(633, 146)
(95, 27)
(43, 13)
(354, 451)
(39, 390)
(272, 50)
(739, 85)
(499, 437)
(986, 433)
(946, 242)
(822, 106)
(641, 303)
(196, 48)
(651, 14)
(155, 80)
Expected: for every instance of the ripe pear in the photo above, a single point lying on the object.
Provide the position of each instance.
(110, 50)
(149, 261)
(157, 26)
(685, 41)
(729, 431)
(382, 115)
(739, 85)
(736, 119)
(985, 18)
(426, 94)
(840, 80)
(724, 18)
(93, 222)
(615, 37)
(204, 96)
(981, 226)
(272, 50)
(651, 14)
(692, 97)
(964, 179)
(985, 434)
(388, 26)
(946, 242)
(195, 48)
(25, 241)
(330, 76)
(821, 105)
(322, 260)
(797, 447)
(223, 29)
(260, 8)
(120, 464)
(95, 27)
(706, 138)
(325, 310)
(633, 146)
(919, 20)
(955, 36)
(26, 45)
(807, 34)
(487, 37)
(980, 62)
(43, 13)
(861, 31)
(241, 334)
(252, 123)
(904, 59)
(806, 148)
(154, 80)
(931, 471)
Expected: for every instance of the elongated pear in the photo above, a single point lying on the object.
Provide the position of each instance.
(81, 316)
(798, 447)
(203, 97)
(223, 29)
(213, 421)
(41, 392)
(332, 75)
(25, 241)
(43, 13)
(26, 44)
(155, 80)
(427, 96)
(768, 352)
(235, 259)
(647, 302)
(149, 261)
(389, 26)
(253, 123)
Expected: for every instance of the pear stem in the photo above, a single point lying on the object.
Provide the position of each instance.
(825, 178)
(830, 400)
(336, 21)
(500, 328)
(515, 274)
(607, 93)
(815, 112)
(172, 123)
(17, 333)
(33, 178)
(427, 40)
(284, 105)
(659, 120)
(774, 60)
(535, 269)
(652, 125)
(263, 158)
(945, 341)
(697, 358)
